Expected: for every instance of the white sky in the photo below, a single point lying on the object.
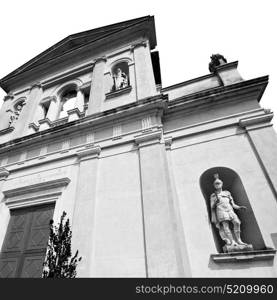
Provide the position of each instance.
(188, 32)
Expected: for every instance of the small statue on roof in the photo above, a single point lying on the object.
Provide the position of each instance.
(216, 60)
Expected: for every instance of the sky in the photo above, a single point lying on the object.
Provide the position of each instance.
(188, 32)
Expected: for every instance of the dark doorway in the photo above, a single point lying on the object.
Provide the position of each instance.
(24, 247)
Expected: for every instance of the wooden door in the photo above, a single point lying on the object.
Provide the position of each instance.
(25, 243)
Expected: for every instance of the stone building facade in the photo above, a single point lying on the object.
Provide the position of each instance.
(87, 128)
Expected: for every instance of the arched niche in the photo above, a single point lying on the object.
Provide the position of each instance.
(67, 98)
(120, 75)
(250, 232)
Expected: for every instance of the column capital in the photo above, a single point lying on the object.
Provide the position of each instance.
(148, 138)
(140, 44)
(4, 173)
(48, 99)
(99, 59)
(89, 152)
(36, 84)
(9, 96)
(168, 142)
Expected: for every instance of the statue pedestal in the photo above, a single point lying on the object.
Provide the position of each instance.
(237, 248)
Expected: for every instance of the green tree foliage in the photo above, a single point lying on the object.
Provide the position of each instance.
(59, 262)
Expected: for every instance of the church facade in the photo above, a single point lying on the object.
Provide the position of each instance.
(175, 181)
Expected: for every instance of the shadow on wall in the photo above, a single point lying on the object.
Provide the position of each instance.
(250, 232)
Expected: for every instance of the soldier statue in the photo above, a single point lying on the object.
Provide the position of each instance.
(223, 215)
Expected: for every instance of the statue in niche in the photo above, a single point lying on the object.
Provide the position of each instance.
(216, 60)
(225, 218)
(120, 80)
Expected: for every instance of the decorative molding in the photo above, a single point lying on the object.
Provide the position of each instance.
(34, 126)
(38, 187)
(90, 137)
(36, 84)
(226, 66)
(146, 123)
(168, 142)
(45, 120)
(74, 111)
(6, 130)
(40, 193)
(4, 173)
(117, 93)
(139, 44)
(48, 99)
(239, 257)
(99, 59)
(245, 122)
(59, 122)
(148, 138)
(8, 96)
(85, 85)
(89, 152)
(117, 132)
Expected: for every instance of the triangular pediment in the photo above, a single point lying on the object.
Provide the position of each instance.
(74, 42)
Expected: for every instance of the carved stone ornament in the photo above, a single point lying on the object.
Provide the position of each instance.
(223, 215)
(216, 61)
(14, 114)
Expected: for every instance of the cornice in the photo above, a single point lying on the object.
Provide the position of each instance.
(98, 120)
(148, 138)
(222, 93)
(89, 152)
(4, 173)
(36, 187)
(246, 122)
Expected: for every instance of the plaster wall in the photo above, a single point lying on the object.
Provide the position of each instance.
(118, 249)
(188, 164)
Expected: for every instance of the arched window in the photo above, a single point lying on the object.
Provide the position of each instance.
(120, 76)
(68, 101)
(250, 232)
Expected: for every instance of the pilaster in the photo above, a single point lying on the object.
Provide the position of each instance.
(145, 81)
(85, 207)
(97, 91)
(263, 140)
(27, 115)
(160, 244)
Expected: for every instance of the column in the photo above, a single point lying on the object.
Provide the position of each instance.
(83, 215)
(27, 115)
(4, 115)
(160, 245)
(145, 81)
(97, 91)
(74, 114)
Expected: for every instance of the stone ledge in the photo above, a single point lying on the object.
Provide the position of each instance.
(118, 92)
(254, 255)
(6, 130)
(255, 120)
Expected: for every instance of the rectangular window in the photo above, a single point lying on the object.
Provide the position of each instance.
(25, 243)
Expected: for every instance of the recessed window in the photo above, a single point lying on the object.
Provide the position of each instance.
(45, 107)
(68, 102)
